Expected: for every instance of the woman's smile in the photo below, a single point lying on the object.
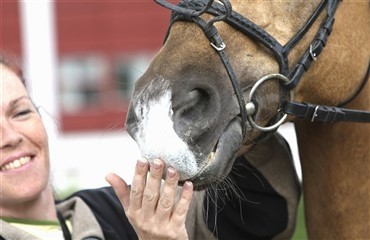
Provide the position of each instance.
(17, 163)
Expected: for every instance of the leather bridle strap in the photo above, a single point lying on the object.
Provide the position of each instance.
(325, 114)
(218, 44)
(315, 47)
(329, 114)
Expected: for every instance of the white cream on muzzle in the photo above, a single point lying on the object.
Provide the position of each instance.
(156, 136)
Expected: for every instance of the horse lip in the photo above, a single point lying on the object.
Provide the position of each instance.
(231, 133)
(220, 160)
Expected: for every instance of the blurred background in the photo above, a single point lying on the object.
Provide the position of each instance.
(81, 59)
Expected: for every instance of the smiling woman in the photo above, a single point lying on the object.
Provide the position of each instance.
(28, 209)
(27, 166)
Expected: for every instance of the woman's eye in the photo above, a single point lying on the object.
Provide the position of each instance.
(22, 113)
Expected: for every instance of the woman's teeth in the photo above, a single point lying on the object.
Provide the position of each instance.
(16, 163)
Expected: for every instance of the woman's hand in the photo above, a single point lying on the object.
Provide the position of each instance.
(151, 208)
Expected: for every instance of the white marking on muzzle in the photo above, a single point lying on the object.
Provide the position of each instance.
(157, 138)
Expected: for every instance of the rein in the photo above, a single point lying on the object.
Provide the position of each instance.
(188, 10)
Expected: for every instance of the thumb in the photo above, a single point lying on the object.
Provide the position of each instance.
(120, 187)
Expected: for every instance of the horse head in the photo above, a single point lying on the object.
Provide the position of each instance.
(187, 108)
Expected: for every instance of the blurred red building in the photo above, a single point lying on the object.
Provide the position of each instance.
(102, 48)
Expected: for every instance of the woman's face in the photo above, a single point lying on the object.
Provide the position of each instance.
(24, 152)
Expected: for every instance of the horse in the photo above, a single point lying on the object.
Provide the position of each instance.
(231, 72)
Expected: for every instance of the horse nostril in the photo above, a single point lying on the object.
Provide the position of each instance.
(194, 115)
(193, 104)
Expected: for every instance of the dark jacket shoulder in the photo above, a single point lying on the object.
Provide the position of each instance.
(108, 211)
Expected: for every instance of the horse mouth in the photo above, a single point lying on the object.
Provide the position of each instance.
(218, 163)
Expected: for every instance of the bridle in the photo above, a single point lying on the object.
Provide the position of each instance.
(189, 10)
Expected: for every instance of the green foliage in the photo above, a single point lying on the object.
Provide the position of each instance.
(300, 232)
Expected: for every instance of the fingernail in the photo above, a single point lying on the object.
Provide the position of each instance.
(188, 185)
(142, 162)
(157, 164)
(171, 172)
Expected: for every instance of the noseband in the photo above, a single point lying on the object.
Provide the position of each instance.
(188, 10)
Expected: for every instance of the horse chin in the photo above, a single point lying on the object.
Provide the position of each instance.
(219, 162)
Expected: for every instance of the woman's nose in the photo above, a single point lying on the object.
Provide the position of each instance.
(10, 135)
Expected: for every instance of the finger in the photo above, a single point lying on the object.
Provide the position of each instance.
(167, 196)
(138, 184)
(120, 187)
(151, 191)
(181, 209)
